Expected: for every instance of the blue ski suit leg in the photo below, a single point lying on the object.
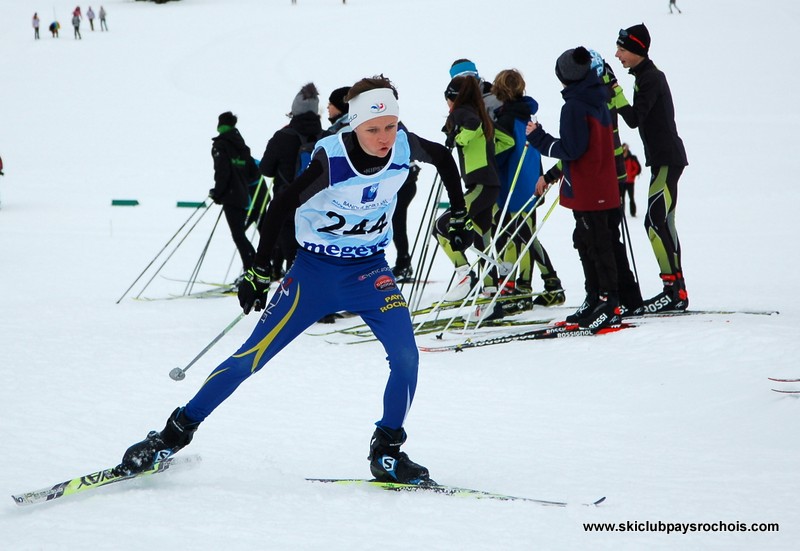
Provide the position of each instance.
(317, 285)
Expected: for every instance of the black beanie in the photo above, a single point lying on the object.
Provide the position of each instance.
(337, 99)
(635, 39)
(227, 119)
(453, 88)
(573, 65)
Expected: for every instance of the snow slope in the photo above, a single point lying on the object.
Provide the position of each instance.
(674, 421)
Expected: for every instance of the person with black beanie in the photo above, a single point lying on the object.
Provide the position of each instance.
(234, 170)
(653, 113)
(588, 183)
(338, 111)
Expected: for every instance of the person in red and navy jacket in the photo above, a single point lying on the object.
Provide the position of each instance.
(588, 182)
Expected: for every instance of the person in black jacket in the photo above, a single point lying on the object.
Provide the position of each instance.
(281, 159)
(653, 113)
(234, 168)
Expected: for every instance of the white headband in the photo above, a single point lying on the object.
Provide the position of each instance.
(371, 104)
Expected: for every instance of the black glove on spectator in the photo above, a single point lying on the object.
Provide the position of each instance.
(460, 230)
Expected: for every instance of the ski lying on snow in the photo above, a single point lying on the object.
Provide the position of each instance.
(453, 491)
(679, 313)
(784, 391)
(456, 325)
(97, 480)
(447, 305)
(552, 332)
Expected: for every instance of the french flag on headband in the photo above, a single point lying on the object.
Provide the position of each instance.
(379, 102)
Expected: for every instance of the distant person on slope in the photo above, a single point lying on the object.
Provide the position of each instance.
(653, 113)
(341, 205)
(53, 28)
(632, 170)
(35, 24)
(102, 14)
(76, 26)
(234, 170)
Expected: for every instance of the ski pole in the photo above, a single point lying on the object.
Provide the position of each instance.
(179, 374)
(250, 220)
(626, 238)
(177, 246)
(427, 222)
(203, 205)
(196, 271)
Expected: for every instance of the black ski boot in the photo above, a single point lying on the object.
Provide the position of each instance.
(673, 298)
(606, 312)
(553, 294)
(402, 270)
(585, 308)
(388, 464)
(158, 446)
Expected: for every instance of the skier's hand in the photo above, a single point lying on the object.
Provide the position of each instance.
(460, 230)
(450, 138)
(253, 289)
(212, 194)
(541, 186)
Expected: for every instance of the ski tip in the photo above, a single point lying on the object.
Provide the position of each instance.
(599, 501)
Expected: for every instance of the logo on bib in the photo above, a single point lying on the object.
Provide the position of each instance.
(369, 193)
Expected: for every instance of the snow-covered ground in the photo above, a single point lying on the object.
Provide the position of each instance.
(673, 421)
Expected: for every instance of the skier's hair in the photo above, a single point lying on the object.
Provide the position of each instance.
(469, 94)
(370, 83)
(508, 84)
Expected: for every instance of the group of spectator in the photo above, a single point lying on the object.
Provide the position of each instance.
(77, 17)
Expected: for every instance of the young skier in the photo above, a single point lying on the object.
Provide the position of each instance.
(342, 206)
(512, 118)
(470, 129)
(630, 296)
(588, 183)
(653, 113)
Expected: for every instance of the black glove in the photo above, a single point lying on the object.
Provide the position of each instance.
(450, 139)
(460, 231)
(212, 194)
(413, 174)
(253, 289)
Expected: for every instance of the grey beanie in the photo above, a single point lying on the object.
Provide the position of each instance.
(307, 99)
(573, 65)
